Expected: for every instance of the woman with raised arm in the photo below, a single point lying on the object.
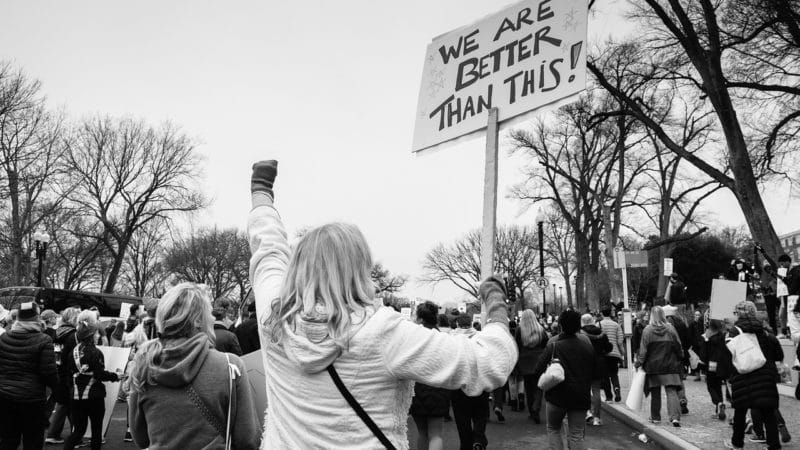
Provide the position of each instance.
(340, 368)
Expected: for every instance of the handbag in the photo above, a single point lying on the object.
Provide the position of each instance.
(358, 409)
(636, 392)
(197, 401)
(746, 353)
(554, 374)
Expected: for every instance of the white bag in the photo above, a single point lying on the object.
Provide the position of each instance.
(553, 375)
(636, 393)
(746, 353)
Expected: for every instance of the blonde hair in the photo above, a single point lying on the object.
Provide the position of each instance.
(70, 315)
(531, 332)
(657, 316)
(330, 268)
(745, 309)
(183, 312)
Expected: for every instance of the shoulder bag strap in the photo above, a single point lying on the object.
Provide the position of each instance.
(358, 409)
(233, 373)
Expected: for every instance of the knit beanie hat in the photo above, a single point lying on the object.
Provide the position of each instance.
(670, 310)
(28, 312)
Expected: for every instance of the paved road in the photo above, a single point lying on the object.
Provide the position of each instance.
(518, 432)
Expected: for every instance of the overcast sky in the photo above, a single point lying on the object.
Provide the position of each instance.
(328, 88)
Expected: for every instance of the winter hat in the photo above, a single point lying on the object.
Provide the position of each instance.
(28, 312)
(587, 319)
(48, 314)
(670, 310)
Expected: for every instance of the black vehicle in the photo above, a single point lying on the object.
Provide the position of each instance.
(109, 305)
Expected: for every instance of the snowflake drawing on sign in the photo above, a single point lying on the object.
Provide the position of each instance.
(571, 22)
(436, 83)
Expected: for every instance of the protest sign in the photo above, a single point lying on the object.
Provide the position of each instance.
(725, 295)
(116, 358)
(124, 310)
(527, 56)
(667, 267)
(407, 313)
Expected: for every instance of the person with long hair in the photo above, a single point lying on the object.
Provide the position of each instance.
(661, 355)
(531, 338)
(87, 365)
(64, 343)
(181, 371)
(324, 335)
(430, 404)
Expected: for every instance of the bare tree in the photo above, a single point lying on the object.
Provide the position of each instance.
(143, 273)
(75, 253)
(743, 58)
(31, 150)
(516, 253)
(559, 244)
(385, 282)
(213, 257)
(126, 174)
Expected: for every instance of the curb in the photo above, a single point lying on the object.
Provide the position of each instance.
(663, 438)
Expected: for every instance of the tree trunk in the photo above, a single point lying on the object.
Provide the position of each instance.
(664, 251)
(615, 280)
(17, 250)
(116, 267)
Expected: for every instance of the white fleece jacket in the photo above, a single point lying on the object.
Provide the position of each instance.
(385, 356)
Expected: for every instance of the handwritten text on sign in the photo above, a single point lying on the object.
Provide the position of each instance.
(520, 59)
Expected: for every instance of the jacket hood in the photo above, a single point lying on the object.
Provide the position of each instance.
(659, 330)
(181, 360)
(308, 343)
(468, 332)
(593, 331)
(750, 325)
(64, 331)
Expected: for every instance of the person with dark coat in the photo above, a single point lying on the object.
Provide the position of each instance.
(570, 398)
(531, 338)
(719, 367)
(64, 343)
(755, 390)
(602, 346)
(247, 332)
(674, 318)
(225, 341)
(430, 404)
(87, 366)
(696, 330)
(27, 367)
(642, 318)
(660, 354)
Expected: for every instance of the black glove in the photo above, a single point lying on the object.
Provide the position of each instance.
(492, 293)
(263, 177)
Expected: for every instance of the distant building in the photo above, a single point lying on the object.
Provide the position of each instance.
(791, 245)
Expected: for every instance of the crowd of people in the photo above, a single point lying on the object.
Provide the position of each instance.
(344, 371)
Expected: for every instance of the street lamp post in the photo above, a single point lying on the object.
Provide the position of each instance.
(555, 298)
(40, 239)
(561, 297)
(540, 224)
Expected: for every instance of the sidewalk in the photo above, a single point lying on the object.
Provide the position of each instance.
(698, 428)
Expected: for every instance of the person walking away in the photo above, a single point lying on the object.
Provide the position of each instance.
(571, 398)
(642, 319)
(247, 332)
(430, 404)
(470, 412)
(115, 340)
(64, 343)
(719, 367)
(683, 334)
(660, 354)
(87, 365)
(602, 347)
(325, 336)
(696, 331)
(181, 371)
(755, 390)
(224, 340)
(614, 358)
(769, 288)
(27, 367)
(531, 338)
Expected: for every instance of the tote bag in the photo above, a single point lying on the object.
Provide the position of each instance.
(746, 353)
(636, 393)
(554, 374)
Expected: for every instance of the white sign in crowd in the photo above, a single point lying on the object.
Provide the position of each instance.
(530, 55)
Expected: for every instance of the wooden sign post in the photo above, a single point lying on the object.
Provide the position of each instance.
(501, 69)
